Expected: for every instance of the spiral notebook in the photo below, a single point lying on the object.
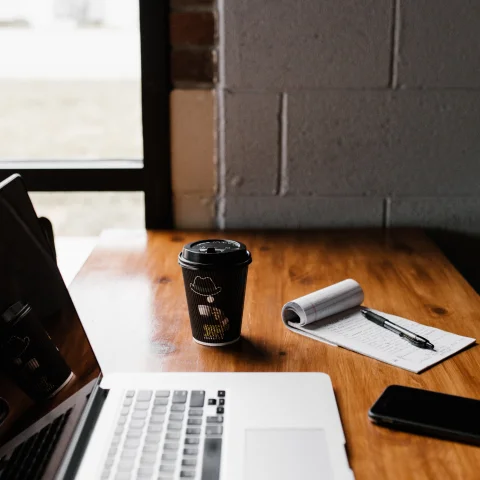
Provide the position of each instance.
(332, 315)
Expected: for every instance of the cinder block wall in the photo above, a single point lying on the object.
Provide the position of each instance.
(340, 113)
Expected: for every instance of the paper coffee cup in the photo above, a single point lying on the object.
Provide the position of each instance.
(215, 277)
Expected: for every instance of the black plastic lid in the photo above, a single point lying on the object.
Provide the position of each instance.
(14, 312)
(214, 253)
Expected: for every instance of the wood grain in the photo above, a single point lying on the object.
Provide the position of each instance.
(130, 296)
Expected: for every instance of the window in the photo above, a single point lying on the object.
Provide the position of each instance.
(84, 104)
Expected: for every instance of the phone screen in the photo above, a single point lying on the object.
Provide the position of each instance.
(428, 408)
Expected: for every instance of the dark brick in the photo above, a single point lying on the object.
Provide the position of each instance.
(192, 28)
(193, 66)
(191, 4)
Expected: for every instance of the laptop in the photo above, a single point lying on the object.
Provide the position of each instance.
(123, 426)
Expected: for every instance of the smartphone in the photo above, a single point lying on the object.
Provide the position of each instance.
(428, 413)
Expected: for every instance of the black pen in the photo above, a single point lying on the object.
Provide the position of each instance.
(411, 337)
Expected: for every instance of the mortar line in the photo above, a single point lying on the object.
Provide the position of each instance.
(387, 212)
(278, 179)
(220, 202)
(395, 45)
(283, 145)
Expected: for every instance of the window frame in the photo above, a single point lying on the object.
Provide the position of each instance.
(153, 177)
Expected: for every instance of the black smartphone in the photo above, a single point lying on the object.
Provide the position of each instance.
(428, 413)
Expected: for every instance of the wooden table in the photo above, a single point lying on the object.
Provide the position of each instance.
(131, 298)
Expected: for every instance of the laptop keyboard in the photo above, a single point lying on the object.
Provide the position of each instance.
(30, 458)
(163, 435)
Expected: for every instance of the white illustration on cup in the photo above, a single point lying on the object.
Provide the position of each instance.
(206, 287)
(32, 364)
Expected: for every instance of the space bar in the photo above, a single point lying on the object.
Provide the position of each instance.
(211, 459)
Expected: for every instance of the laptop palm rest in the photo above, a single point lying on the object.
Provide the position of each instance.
(287, 454)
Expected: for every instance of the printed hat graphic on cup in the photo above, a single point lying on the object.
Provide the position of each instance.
(205, 286)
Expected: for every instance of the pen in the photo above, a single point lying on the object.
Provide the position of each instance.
(411, 337)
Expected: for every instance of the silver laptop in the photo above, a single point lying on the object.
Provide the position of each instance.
(209, 426)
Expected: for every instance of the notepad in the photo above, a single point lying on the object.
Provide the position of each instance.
(332, 315)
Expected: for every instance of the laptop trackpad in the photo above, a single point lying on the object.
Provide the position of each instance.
(287, 454)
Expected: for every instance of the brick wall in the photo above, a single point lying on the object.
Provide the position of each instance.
(193, 36)
(194, 65)
(348, 113)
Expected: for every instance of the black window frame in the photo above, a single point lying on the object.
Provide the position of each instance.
(154, 176)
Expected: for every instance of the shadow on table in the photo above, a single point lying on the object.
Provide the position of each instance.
(463, 250)
(247, 350)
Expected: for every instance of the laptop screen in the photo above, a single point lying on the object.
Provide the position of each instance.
(45, 355)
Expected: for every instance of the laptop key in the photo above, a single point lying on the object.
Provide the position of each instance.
(145, 472)
(150, 448)
(123, 476)
(194, 421)
(197, 398)
(160, 401)
(188, 474)
(153, 439)
(113, 451)
(221, 401)
(193, 431)
(212, 401)
(195, 412)
(211, 458)
(144, 395)
(148, 459)
(141, 406)
(179, 396)
(220, 410)
(174, 426)
(189, 462)
(131, 443)
(190, 451)
(213, 430)
(140, 415)
(162, 393)
(169, 457)
(173, 436)
(128, 454)
(126, 465)
(159, 409)
(192, 441)
(130, 394)
(177, 407)
(136, 424)
(155, 428)
(167, 468)
(171, 446)
(215, 419)
(134, 434)
(157, 419)
(176, 416)
(127, 402)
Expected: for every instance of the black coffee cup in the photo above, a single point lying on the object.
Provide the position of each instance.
(29, 356)
(215, 277)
